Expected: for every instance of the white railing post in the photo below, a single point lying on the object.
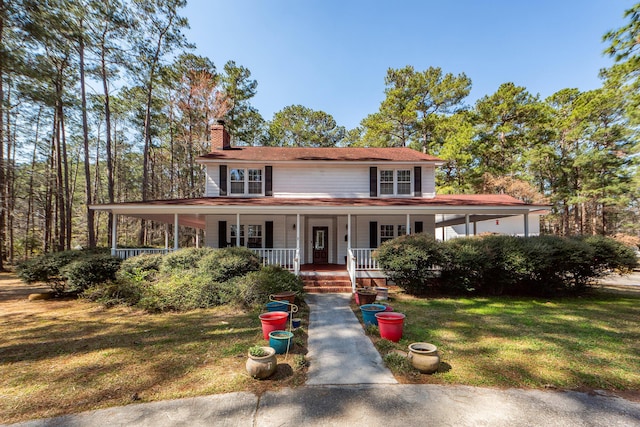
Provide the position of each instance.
(114, 235)
(351, 268)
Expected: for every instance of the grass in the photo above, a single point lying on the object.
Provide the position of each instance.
(64, 356)
(589, 342)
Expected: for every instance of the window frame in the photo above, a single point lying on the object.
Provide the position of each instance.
(247, 182)
(396, 182)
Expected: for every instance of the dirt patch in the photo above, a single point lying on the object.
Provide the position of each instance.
(12, 288)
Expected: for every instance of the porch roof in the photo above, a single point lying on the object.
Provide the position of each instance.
(192, 212)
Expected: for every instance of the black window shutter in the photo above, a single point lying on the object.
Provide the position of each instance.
(417, 181)
(222, 234)
(373, 234)
(268, 182)
(373, 181)
(268, 234)
(223, 180)
(419, 227)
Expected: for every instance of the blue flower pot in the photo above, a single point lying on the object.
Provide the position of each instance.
(369, 313)
(277, 306)
(280, 341)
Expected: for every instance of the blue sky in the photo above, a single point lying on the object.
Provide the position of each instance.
(333, 55)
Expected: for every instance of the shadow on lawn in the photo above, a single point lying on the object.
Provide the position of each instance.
(569, 343)
(68, 336)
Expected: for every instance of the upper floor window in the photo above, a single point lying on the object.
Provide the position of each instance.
(246, 181)
(395, 182)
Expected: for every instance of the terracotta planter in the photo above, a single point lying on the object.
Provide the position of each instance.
(424, 357)
(289, 296)
(366, 296)
(261, 367)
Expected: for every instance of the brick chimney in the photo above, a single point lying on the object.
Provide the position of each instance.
(220, 139)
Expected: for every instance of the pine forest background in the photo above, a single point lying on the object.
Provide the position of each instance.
(103, 101)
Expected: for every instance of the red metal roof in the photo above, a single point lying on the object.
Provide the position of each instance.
(329, 154)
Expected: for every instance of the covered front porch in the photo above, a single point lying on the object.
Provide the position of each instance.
(294, 233)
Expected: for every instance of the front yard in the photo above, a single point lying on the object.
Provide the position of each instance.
(64, 356)
(584, 343)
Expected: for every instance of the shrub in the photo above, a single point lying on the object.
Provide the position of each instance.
(120, 291)
(183, 259)
(610, 255)
(409, 260)
(48, 268)
(225, 264)
(255, 287)
(90, 270)
(146, 264)
(186, 291)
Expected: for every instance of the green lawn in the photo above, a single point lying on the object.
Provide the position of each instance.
(584, 342)
(65, 356)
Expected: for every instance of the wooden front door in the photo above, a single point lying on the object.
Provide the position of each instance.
(320, 245)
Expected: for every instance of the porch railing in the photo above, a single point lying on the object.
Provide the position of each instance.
(351, 269)
(125, 253)
(286, 258)
(364, 259)
(360, 259)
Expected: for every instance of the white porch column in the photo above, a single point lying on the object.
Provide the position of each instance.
(197, 238)
(114, 235)
(348, 232)
(466, 225)
(297, 260)
(166, 236)
(408, 224)
(526, 224)
(237, 229)
(175, 232)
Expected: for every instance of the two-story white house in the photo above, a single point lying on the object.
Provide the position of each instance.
(303, 207)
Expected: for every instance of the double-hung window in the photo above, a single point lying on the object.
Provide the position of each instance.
(234, 234)
(386, 233)
(254, 236)
(246, 181)
(395, 182)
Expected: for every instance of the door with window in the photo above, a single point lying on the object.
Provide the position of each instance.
(320, 245)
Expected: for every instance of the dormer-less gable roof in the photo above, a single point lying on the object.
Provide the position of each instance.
(325, 154)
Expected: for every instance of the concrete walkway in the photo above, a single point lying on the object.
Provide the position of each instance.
(348, 385)
(339, 351)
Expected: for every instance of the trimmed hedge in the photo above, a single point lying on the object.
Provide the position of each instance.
(493, 265)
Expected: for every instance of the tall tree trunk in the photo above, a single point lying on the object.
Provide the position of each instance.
(30, 221)
(67, 187)
(107, 118)
(60, 204)
(2, 109)
(91, 236)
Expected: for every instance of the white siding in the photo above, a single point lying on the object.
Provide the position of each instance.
(212, 188)
(362, 228)
(428, 181)
(281, 233)
(326, 181)
(513, 225)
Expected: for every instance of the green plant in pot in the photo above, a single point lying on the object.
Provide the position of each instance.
(261, 362)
